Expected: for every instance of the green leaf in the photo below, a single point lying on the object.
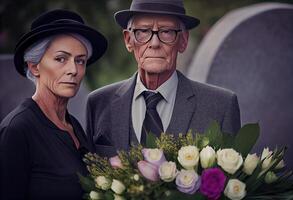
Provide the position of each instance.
(254, 178)
(151, 140)
(87, 183)
(246, 138)
(214, 134)
(228, 141)
(109, 195)
(213, 130)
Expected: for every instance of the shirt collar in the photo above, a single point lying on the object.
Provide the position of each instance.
(165, 89)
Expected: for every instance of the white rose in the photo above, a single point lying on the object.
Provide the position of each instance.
(188, 156)
(207, 157)
(154, 154)
(103, 182)
(118, 197)
(229, 159)
(117, 186)
(235, 189)
(95, 195)
(266, 156)
(168, 171)
(250, 163)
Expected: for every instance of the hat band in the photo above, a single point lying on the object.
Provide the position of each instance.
(157, 7)
(61, 21)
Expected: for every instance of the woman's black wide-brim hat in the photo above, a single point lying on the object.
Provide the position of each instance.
(57, 22)
(166, 7)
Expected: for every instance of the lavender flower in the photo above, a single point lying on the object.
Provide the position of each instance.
(148, 170)
(187, 181)
(154, 156)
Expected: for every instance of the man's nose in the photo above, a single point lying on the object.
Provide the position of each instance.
(155, 41)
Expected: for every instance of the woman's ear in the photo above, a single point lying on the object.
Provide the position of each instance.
(183, 41)
(34, 69)
(127, 40)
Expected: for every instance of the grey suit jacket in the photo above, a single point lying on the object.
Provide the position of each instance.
(196, 105)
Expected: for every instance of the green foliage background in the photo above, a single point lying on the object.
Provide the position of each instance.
(117, 64)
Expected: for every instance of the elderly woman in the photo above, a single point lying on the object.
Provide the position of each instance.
(41, 144)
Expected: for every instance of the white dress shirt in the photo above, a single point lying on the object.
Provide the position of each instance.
(165, 107)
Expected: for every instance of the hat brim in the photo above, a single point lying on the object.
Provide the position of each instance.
(97, 40)
(122, 17)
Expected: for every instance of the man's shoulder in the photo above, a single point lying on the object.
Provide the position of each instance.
(212, 89)
(205, 89)
(104, 95)
(107, 90)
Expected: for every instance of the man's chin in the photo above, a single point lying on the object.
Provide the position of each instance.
(154, 69)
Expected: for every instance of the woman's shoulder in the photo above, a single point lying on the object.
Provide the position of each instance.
(18, 117)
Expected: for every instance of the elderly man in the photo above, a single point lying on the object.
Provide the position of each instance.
(157, 98)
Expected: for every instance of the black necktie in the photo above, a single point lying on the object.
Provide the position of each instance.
(152, 121)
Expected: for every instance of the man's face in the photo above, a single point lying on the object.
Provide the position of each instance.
(155, 56)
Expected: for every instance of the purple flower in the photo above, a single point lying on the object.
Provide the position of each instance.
(154, 156)
(212, 183)
(148, 170)
(187, 181)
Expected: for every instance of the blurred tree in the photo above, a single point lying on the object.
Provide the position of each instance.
(117, 64)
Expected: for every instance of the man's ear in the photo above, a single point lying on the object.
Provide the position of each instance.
(127, 40)
(34, 69)
(183, 41)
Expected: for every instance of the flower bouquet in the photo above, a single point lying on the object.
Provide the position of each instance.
(212, 166)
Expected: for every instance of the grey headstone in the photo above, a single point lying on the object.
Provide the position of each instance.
(15, 88)
(250, 51)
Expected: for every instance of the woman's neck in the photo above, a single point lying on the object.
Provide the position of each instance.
(53, 106)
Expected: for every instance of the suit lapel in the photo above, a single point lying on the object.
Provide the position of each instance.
(120, 114)
(184, 108)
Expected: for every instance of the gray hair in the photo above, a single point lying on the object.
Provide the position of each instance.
(181, 24)
(36, 51)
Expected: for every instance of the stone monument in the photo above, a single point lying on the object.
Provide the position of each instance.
(250, 51)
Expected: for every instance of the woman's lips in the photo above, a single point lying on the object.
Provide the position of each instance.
(69, 83)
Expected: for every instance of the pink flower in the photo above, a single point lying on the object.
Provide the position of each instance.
(148, 170)
(154, 156)
(212, 183)
(115, 162)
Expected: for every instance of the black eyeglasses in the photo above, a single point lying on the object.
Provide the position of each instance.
(167, 36)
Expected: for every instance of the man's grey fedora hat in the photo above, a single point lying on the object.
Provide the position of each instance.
(168, 7)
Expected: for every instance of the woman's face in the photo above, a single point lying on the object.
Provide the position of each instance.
(62, 67)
